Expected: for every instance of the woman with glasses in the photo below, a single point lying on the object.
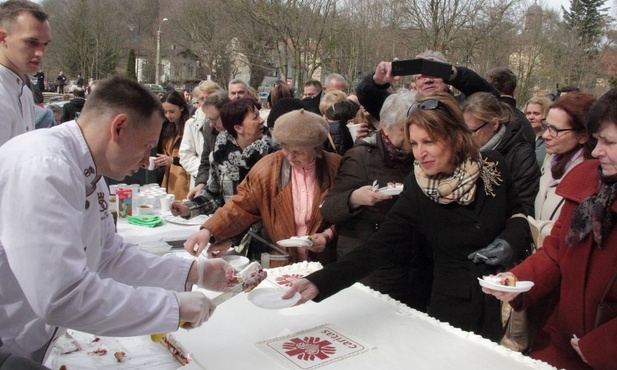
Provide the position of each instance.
(568, 143)
(578, 259)
(490, 121)
(460, 204)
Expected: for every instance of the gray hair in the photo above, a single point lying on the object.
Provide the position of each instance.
(335, 76)
(394, 109)
(432, 54)
(236, 81)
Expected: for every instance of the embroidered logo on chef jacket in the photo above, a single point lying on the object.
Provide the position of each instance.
(102, 201)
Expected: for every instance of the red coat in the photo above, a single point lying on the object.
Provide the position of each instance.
(580, 274)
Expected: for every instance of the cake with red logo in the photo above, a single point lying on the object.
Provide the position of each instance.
(357, 328)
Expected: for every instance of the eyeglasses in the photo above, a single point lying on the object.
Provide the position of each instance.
(429, 104)
(554, 131)
(474, 130)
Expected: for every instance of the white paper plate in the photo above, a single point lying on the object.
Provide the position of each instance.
(270, 298)
(197, 220)
(238, 262)
(391, 191)
(296, 241)
(155, 247)
(521, 286)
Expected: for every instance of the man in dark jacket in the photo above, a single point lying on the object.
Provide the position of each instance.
(373, 89)
(504, 80)
(72, 109)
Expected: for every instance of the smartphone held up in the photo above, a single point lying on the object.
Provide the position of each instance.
(422, 66)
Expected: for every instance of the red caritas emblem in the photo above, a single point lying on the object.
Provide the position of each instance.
(309, 348)
(288, 279)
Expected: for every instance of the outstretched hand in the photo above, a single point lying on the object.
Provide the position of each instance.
(307, 290)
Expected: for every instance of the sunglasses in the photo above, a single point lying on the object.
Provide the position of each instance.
(429, 104)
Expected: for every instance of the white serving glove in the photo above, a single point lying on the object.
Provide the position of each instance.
(215, 274)
(195, 308)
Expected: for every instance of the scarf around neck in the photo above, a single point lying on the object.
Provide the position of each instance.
(233, 162)
(594, 214)
(459, 187)
(397, 155)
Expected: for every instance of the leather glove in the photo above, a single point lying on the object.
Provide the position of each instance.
(215, 274)
(195, 308)
(499, 252)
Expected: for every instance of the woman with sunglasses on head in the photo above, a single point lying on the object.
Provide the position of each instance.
(491, 123)
(577, 262)
(568, 143)
(460, 203)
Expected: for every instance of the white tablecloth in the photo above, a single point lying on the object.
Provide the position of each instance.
(168, 232)
(399, 337)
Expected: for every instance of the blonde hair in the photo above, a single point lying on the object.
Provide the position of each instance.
(207, 86)
(330, 98)
(543, 102)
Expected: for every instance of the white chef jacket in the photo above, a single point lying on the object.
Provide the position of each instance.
(16, 105)
(61, 262)
(192, 144)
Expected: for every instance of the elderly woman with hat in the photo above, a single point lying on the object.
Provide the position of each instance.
(284, 191)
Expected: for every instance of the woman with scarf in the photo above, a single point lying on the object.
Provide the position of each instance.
(568, 143)
(283, 191)
(237, 148)
(356, 206)
(494, 127)
(578, 258)
(460, 204)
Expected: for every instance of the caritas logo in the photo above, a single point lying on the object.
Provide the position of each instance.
(309, 348)
(288, 279)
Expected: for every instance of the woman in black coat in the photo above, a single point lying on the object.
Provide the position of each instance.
(358, 208)
(461, 203)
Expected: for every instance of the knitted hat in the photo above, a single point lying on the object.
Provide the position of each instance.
(300, 128)
(282, 106)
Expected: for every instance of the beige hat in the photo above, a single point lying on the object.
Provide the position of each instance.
(300, 128)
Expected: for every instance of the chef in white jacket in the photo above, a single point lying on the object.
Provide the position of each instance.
(61, 263)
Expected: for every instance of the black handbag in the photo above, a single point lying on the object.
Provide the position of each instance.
(606, 310)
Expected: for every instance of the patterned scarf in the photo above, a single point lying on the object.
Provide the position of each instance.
(459, 187)
(397, 155)
(233, 163)
(594, 214)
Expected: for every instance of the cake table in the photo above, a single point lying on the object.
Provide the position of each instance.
(240, 335)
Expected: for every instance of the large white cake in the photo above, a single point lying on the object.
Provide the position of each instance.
(393, 336)
(398, 336)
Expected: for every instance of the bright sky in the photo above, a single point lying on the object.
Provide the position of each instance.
(556, 4)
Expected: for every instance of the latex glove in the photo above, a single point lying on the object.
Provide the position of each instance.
(195, 308)
(499, 252)
(215, 274)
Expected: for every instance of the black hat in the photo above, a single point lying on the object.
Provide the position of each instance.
(282, 106)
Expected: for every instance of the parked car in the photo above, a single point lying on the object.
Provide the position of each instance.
(155, 88)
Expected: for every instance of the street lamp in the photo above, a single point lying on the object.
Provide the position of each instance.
(157, 78)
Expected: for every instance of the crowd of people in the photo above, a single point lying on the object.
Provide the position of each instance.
(487, 189)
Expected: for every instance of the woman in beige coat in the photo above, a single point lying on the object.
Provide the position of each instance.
(568, 143)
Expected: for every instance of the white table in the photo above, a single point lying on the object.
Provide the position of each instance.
(168, 232)
(399, 337)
